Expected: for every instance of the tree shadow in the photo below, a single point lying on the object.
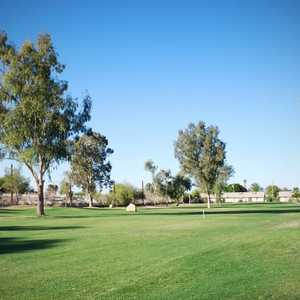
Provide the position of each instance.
(14, 245)
(225, 212)
(99, 215)
(37, 228)
(10, 211)
(273, 205)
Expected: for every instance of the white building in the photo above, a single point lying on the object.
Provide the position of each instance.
(244, 197)
(285, 196)
(236, 197)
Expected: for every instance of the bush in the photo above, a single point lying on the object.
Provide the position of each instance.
(122, 195)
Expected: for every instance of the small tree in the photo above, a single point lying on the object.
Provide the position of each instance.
(14, 182)
(123, 194)
(255, 187)
(201, 154)
(180, 184)
(89, 166)
(37, 118)
(272, 193)
(66, 187)
(296, 194)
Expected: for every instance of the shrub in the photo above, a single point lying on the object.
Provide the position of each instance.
(122, 195)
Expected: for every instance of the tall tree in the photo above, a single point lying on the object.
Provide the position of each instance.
(37, 118)
(201, 154)
(89, 166)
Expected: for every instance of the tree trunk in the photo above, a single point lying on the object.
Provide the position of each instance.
(208, 199)
(71, 199)
(70, 196)
(40, 210)
(90, 199)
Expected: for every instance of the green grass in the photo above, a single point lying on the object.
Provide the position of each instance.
(235, 252)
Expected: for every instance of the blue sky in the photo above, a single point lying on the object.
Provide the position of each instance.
(152, 67)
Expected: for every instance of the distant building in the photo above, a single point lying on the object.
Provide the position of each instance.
(236, 197)
(244, 197)
(285, 196)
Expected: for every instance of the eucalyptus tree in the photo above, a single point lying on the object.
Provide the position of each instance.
(37, 118)
(89, 166)
(201, 154)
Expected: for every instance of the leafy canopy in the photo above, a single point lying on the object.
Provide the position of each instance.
(235, 187)
(37, 118)
(255, 187)
(89, 166)
(201, 153)
(15, 182)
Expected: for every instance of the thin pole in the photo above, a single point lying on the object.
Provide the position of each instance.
(11, 191)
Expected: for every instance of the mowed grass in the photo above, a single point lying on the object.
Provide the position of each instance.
(235, 252)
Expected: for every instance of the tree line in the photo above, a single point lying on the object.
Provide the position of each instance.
(41, 125)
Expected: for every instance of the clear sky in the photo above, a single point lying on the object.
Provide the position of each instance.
(152, 67)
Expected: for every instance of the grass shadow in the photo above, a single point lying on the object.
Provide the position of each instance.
(10, 211)
(15, 245)
(226, 212)
(37, 228)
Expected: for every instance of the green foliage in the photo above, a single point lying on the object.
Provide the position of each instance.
(196, 196)
(296, 194)
(162, 182)
(220, 186)
(235, 187)
(15, 183)
(201, 154)
(89, 166)
(122, 194)
(180, 184)
(37, 118)
(272, 193)
(255, 187)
